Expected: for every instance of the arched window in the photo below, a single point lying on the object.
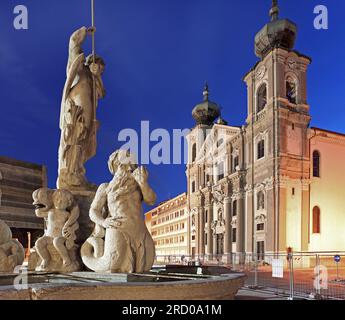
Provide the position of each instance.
(193, 152)
(234, 208)
(291, 90)
(316, 220)
(260, 199)
(316, 164)
(261, 149)
(262, 98)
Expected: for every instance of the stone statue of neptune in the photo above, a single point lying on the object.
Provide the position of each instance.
(121, 242)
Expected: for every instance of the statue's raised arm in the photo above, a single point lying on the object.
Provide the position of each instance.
(141, 176)
(75, 43)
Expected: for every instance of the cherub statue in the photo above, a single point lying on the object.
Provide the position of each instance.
(11, 251)
(61, 214)
(121, 242)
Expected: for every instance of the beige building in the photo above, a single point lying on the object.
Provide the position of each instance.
(168, 224)
(274, 182)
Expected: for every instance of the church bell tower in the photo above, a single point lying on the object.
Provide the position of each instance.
(276, 134)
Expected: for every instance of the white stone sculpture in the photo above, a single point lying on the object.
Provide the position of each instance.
(78, 122)
(11, 251)
(121, 242)
(56, 249)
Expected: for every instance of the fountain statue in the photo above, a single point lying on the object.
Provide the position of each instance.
(121, 242)
(78, 123)
(11, 251)
(56, 250)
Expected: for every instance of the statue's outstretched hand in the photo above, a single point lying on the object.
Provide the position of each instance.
(141, 175)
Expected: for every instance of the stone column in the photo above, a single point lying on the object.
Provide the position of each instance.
(240, 244)
(209, 230)
(214, 243)
(197, 248)
(201, 230)
(228, 227)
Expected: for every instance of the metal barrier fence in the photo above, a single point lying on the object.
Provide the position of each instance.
(314, 275)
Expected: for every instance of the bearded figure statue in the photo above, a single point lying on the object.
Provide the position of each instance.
(121, 242)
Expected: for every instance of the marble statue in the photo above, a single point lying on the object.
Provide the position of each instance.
(56, 250)
(121, 242)
(11, 251)
(78, 124)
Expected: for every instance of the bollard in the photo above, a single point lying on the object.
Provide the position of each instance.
(291, 273)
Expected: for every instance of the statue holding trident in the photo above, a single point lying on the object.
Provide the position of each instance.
(78, 123)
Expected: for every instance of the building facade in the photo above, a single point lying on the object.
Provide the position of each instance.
(168, 224)
(18, 180)
(274, 182)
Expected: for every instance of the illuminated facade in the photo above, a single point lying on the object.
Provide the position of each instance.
(274, 182)
(168, 224)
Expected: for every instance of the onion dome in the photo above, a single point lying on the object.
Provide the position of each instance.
(279, 33)
(206, 112)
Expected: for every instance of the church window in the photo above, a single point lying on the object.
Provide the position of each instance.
(234, 208)
(235, 163)
(291, 90)
(262, 98)
(194, 152)
(193, 187)
(220, 142)
(316, 164)
(220, 171)
(316, 220)
(260, 227)
(261, 149)
(234, 235)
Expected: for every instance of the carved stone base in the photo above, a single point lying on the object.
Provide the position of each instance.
(55, 265)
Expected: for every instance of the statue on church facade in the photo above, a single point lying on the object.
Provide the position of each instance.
(121, 242)
(78, 124)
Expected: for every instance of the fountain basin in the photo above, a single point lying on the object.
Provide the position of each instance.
(167, 283)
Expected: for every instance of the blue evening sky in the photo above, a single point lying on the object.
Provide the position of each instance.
(158, 54)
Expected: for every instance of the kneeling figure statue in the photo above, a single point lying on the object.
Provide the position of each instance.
(57, 249)
(121, 242)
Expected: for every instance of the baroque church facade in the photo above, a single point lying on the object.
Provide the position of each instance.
(274, 182)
